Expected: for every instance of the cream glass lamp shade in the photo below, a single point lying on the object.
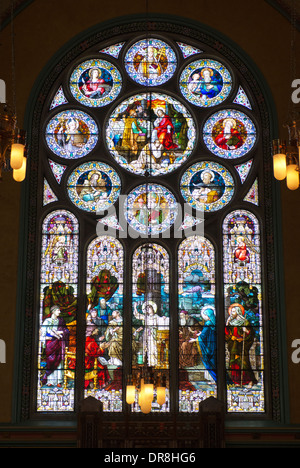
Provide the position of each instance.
(279, 166)
(130, 394)
(146, 407)
(292, 177)
(16, 155)
(161, 395)
(19, 174)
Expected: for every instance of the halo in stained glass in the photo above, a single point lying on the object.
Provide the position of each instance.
(95, 83)
(205, 83)
(150, 133)
(150, 209)
(150, 62)
(229, 134)
(94, 186)
(71, 134)
(207, 186)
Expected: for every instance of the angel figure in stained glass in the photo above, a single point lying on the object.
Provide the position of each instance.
(70, 138)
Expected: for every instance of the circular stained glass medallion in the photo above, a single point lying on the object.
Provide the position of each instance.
(150, 133)
(205, 83)
(94, 186)
(95, 83)
(207, 186)
(71, 134)
(229, 134)
(150, 62)
(150, 209)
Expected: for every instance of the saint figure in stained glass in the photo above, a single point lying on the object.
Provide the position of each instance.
(229, 134)
(150, 209)
(95, 83)
(71, 134)
(207, 186)
(150, 133)
(94, 186)
(197, 322)
(150, 62)
(205, 83)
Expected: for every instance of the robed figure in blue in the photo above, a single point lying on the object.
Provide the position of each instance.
(206, 340)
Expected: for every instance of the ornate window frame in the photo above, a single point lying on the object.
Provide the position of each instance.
(108, 33)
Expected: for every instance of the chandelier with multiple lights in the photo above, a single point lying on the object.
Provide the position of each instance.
(12, 139)
(12, 145)
(286, 154)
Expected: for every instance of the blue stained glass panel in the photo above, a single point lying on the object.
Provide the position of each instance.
(197, 323)
(151, 316)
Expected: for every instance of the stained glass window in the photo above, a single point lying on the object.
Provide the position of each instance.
(243, 313)
(104, 322)
(151, 314)
(94, 186)
(151, 133)
(150, 62)
(229, 134)
(137, 137)
(71, 134)
(150, 209)
(207, 186)
(197, 323)
(205, 83)
(58, 312)
(95, 83)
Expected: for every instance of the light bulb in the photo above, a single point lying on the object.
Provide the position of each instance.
(279, 166)
(161, 395)
(16, 155)
(130, 394)
(19, 174)
(148, 392)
